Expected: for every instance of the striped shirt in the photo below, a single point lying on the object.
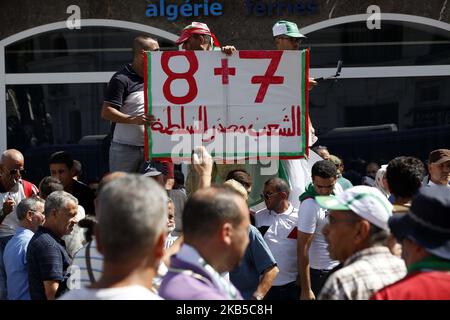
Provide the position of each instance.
(79, 262)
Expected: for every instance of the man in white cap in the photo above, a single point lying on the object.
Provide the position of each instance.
(287, 37)
(356, 233)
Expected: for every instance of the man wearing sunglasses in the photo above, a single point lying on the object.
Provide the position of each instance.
(278, 225)
(13, 189)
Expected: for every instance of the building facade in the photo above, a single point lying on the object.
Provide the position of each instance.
(391, 98)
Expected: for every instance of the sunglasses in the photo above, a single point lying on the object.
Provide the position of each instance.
(267, 195)
(20, 171)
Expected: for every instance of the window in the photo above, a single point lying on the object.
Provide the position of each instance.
(397, 43)
(85, 50)
(392, 98)
(54, 87)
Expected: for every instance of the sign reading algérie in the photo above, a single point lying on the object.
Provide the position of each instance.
(252, 104)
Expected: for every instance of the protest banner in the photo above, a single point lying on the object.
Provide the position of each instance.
(250, 105)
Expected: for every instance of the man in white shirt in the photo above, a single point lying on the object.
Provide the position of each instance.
(439, 167)
(278, 225)
(314, 263)
(135, 207)
(13, 189)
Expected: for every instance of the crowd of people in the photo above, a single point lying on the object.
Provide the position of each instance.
(380, 234)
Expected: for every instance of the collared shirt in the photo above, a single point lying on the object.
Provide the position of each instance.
(192, 256)
(257, 259)
(14, 259)
(431, 183)
(191, 278)
(364, 273)
(47, 261)
(280, 233)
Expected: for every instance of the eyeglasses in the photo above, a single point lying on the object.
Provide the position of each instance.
(267, 195)
(14, 172)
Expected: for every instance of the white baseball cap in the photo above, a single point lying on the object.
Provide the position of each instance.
(367, 202)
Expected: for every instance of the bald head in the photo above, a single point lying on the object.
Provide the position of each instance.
(11, 168)
(11, 155)
(145, 43)
(207, 209)
(140, 44)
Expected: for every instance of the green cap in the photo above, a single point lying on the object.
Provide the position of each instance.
(286, 28)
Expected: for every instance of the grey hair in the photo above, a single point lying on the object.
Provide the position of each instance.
(28, 204)
(132, 214)
(57, 200)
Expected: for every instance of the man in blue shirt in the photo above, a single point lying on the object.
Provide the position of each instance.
(254, 276)
(47, 257)
(30, 213)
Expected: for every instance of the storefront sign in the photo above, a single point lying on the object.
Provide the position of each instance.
(251, 104)
(185, 9)
(271, 8)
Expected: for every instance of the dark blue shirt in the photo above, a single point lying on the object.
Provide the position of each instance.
(47, 260)
(123, 92)
(256, 260)
(122, 84)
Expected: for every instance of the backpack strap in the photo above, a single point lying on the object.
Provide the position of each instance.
(88, 262)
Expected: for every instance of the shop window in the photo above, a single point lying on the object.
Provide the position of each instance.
(395, 44)
(85, 50)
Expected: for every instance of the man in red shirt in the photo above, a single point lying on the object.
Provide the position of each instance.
(424, 233)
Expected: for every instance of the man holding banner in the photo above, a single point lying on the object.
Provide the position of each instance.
(249, 106)
(296, 172)
(197, 36)
(124, 107)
